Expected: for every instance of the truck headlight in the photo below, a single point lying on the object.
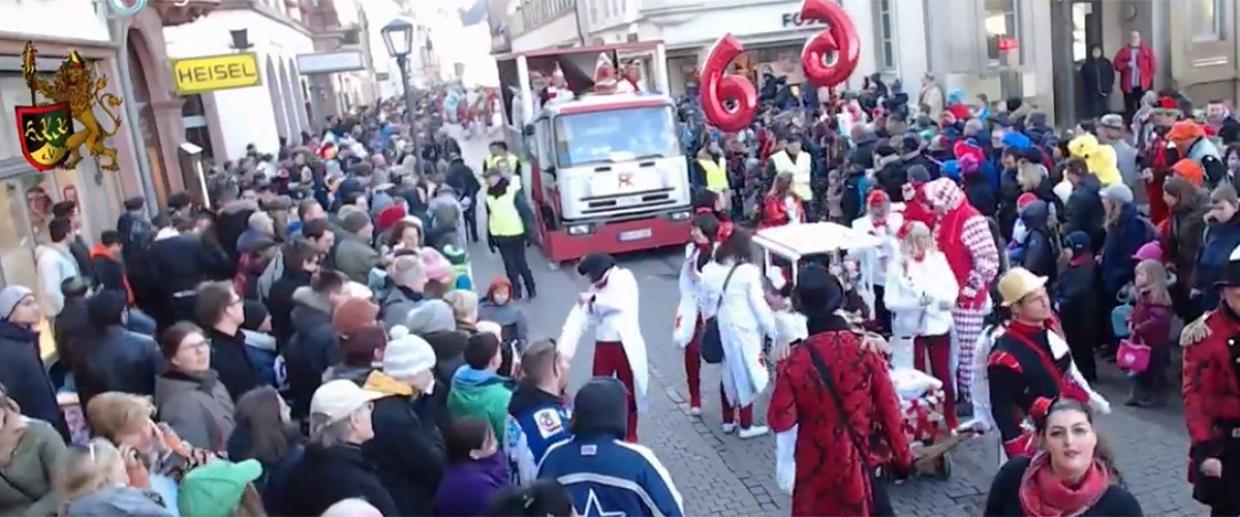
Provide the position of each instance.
(680, 216)
(579, 229)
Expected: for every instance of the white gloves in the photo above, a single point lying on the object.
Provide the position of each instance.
(785, 459)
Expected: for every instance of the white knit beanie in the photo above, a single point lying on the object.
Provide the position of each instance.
(407, 354)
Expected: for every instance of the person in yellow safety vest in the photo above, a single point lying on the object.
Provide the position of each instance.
(510, 225)
(499, 153)
(798, 163)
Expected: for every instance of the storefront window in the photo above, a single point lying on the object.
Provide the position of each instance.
(1206, 19)
(1002, 32)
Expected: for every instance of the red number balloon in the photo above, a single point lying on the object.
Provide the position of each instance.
(717, 88)
(839, 39)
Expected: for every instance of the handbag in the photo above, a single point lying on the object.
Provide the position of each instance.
(880, 505)
(710, 343)
(1132, 356)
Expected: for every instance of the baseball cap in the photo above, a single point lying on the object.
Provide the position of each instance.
(215, 489)
(340, 398)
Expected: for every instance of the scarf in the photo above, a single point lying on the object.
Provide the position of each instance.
(1044, 495)
(11, 432)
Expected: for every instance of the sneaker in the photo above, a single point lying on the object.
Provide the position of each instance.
(729, 427)
(695, 411)
(753, 431)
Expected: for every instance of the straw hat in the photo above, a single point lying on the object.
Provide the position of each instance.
(1017, 283)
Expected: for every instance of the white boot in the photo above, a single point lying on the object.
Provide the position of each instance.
(753, 431)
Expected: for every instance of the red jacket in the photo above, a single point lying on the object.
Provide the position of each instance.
(1145, 63)
(1210, 387)
(839, 486)
(775, 212)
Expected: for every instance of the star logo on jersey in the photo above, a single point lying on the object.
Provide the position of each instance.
(595, 509)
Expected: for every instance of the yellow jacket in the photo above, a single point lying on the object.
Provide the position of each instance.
(1099, 158)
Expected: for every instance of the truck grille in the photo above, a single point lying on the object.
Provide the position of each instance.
(628, 202)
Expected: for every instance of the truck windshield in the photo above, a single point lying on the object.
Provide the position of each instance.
(606, 136)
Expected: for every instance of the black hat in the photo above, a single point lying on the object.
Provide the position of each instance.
(595, 265)
(1231, 273)
(818, 292)
(599, 408)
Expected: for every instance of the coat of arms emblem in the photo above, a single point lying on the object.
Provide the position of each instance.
(48, 136)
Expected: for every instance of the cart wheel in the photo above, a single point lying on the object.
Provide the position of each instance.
(945, 467)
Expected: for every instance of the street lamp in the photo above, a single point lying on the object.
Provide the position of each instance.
(398, 37)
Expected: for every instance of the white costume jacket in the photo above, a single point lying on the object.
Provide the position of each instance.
(745, 320)
(687, 310)
(614, 315)
(907, 282)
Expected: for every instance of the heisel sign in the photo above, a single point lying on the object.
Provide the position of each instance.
(210, 73)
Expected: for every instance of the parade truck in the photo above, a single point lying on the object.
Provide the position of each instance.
(602, 166)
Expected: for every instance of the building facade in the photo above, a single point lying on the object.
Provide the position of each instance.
(276, 110)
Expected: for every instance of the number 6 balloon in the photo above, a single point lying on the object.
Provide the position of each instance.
(828, 59)
(717, 88)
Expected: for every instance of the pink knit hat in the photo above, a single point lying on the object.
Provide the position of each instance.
(1149, 251)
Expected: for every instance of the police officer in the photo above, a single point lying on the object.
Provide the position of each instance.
(499, 153)
(509, 222)
(537, 417)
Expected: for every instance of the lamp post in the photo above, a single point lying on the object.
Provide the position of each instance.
(398, 37)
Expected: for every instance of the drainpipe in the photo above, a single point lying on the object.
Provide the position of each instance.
(119, 27)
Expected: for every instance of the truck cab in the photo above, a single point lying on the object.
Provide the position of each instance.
(603, 171)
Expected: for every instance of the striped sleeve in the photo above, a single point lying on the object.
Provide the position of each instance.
(976, 236)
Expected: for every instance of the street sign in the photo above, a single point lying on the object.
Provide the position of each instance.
(330, 62)
(210, 73)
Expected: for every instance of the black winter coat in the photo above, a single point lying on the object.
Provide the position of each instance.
(408, 452)
(81, 255)
(117, 360)
(1004, 498)
(463, 180)
(326, 476)
(1085, 212)
(1039, 254)
(280, 302)
(1080, 302)
(312, 348)
(25, 378)
(181, 263)
(71, 330)
(230, 359)
(1097, 78)
(109, 273)
(1220, 240)
(980, 194)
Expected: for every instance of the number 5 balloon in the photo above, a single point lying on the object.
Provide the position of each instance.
(828, 59)
(839, 42)
(717, 88)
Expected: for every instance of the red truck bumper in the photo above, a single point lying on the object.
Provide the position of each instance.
(657, 232)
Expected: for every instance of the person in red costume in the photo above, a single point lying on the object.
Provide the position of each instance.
(781, 205)
(963, 234)
(1031, 365)
(813, 422)
(1159, 155)
(1211, 390)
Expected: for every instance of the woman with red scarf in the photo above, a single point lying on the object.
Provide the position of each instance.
(1073, 474)
(781, 205)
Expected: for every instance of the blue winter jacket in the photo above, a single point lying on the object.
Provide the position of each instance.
(608, 476)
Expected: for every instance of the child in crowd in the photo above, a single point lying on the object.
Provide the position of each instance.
(478, 468)
(1151, 326)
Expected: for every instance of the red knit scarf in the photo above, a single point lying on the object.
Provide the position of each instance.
(1044, 495)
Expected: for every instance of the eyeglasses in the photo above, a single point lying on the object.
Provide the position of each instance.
(197, 343)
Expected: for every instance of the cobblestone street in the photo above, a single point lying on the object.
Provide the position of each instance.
(721, 474)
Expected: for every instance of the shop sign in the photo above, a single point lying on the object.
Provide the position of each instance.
(210, 73)
(47, 133)
(793, 19)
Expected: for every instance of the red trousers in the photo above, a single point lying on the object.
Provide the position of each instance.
(729, 412)
(609, 360)
(939, 348)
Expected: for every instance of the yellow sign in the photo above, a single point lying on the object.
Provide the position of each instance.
(210, 73)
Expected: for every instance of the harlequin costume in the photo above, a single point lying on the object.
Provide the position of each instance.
(963, 235)
(816, 454)
(1211, 389)
(1029, 367)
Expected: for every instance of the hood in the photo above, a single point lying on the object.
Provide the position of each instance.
(101, 251)
(430, 316)
(599, 409)
(943, 195)
(13, 332)
(467, 376)
(175, 382)
(1083, 146)
(527, 397)
(382, 383)
(496, 284)
(306, 296)
(1035, 215)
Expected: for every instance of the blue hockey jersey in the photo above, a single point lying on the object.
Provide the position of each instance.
(536, 421)
(607, 476)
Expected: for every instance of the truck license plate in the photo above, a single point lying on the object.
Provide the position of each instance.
(633, 235)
